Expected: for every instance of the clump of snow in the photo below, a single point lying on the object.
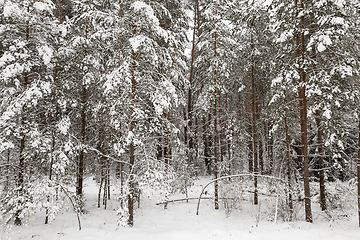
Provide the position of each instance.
(338, 20)
(149, 18)
(327, 114)
(267, 2)
(340, 144)
(44, 6)
(64, 125)
(320, 3)
(339, 3)
(11, 9)
(324, 41)
(284, 36)
(139, 6)
(160, 102)
(61, 163)
(321, 47)
(343, 70)
(276, 81)
(46, 53)
(11, 70)
(63, 29)
(6, 57)
(137, 41)
(241, 88)
(130, 137)
(6, 145)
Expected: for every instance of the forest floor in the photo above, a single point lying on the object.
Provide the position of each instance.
(180, 222)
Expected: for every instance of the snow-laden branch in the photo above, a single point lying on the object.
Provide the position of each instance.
(105, 155)
(72, 202)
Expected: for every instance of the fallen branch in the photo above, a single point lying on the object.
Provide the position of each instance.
(318, 170)
(182, 199)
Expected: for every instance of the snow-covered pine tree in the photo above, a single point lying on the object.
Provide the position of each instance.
(25, 79)
(140, 91)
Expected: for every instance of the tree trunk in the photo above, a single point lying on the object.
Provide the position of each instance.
(105, 188)
(132, 146)
(100, 187)
(270, 150)
(167, 149)
(288, 157)
(80, 173)
(216, 140)
(303, 111)
(253, 110)
(207, 143)
(261, 156)
(21, 170)
(190, 142)
(108, 179)
(7, 175)
(321, 162)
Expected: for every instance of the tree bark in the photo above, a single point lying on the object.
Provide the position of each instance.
(100, 187)
(216, 140)
(288, 157)
(80, 173)
(132, 146)
(207, 143)
(254, 117)
(303, 110)
(190, 142)
(81, 164)
(321, 162)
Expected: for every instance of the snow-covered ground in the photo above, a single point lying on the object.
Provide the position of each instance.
(179, 221)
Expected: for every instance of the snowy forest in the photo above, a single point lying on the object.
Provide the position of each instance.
(144, 97)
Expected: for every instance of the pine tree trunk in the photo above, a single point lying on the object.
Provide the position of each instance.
(250, 150)
(132, 146)
(207, 144)
(190, 142)
(80, 173)
(108, 179)
(7, 175)
(216, 140)
(250, 111)
(100, 187)
(81, 162)
(270, 151)
(105, 189)
(321, 162)
(121, 183)
(288, 156)
(261, 156)
(254, 132)
(303, 111)
(167, 146)
(21, 170)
